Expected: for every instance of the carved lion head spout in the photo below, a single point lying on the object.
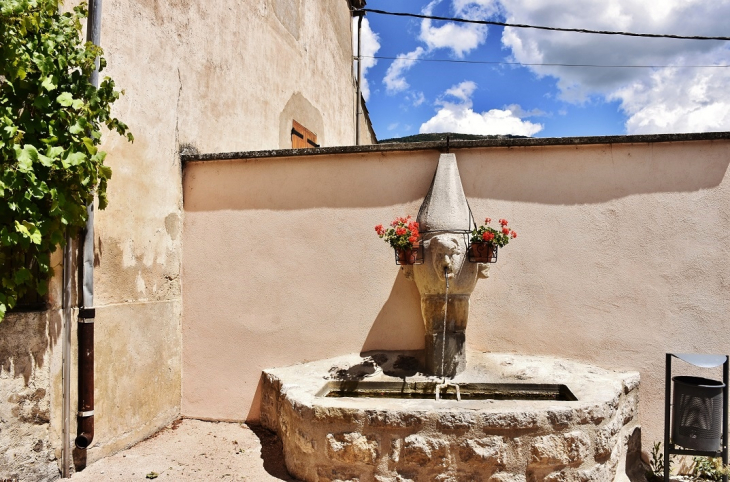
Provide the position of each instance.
(448, 253)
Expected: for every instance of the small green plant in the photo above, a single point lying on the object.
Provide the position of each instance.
(51, 118)
(709, 468)
(656, 464)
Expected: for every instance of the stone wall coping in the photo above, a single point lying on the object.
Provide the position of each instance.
(456, 144)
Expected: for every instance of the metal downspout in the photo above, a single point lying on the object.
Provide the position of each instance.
(66, 362)
(87, 313)
(358, 101)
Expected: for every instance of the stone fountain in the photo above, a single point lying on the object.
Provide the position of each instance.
(499, 418)
(446, 279)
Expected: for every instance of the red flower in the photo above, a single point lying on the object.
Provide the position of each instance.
(399, 231)
(514, 234)
(503, 222)
(379, 229)
(505, 230)
(413, 239)
(487, 236)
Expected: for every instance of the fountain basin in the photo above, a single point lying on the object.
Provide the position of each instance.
(593, 438)
(427, 391)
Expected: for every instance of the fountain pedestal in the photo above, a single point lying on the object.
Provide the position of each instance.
(445, 345)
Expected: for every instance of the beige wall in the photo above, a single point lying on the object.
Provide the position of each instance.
(207, 76)
(622, 255)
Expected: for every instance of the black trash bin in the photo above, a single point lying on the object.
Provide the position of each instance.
(697, 421)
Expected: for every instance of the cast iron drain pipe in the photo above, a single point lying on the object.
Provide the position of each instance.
(87, 313)
(85, 416)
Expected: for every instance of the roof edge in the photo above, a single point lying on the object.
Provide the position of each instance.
(460, 144)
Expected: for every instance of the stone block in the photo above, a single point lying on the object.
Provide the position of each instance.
(421, 450)
(559, 450)
(507, 477)
(393, 419)
(488, 451)
(516, 420)
(455, 421)
(352, 448)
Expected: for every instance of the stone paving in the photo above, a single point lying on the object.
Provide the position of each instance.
(194, 450)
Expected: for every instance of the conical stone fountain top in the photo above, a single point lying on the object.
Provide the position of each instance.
(445, 207)
(446, 279)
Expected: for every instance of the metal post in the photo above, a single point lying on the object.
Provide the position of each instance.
(66, 362)
(725, 396)
(359, 78)
(667, 407)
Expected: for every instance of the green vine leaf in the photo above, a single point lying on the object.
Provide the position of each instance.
(48, 84)
(51, 119)
(65, 99)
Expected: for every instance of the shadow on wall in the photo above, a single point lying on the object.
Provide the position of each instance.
(557, 175)
(591, 174)
(24, 340)
(337, 181)
(399, 325)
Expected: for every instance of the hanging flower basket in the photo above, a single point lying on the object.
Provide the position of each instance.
(403, 237)
(485, 241)
(409, 256)
(483, 252)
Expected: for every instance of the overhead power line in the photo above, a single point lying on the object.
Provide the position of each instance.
(494, 62)
(557, 29)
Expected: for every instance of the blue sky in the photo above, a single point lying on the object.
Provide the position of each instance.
(408, 97)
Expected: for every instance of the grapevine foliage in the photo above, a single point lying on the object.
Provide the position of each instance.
(50, 126)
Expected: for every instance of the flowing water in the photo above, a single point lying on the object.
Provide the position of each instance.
(446, 311)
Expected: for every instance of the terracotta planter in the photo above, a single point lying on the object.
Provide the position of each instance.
(483, 253)
(409, 256)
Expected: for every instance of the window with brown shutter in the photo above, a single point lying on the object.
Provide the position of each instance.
(301, 137)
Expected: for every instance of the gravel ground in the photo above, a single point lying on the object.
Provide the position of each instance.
(194, 450)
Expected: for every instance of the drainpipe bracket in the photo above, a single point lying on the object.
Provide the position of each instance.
(87, 413)
(87, 314)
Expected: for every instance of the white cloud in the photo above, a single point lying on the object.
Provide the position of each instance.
(417, 98)
(673, 100)
(460, 116)
(393, 126)
(458, 38)
(663, 99)
(394, 80)
(462, 91)
(370, 46)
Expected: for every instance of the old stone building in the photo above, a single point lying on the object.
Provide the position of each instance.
(198, 77)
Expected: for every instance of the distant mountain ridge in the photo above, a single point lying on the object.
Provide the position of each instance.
(441, 136)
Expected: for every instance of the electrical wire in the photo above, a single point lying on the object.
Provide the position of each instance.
(557, 29)
(548, 64)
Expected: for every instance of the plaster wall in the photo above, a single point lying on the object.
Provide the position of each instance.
(621, 256)
(202, 76)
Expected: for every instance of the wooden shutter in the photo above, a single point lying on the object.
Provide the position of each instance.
(301, 137)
